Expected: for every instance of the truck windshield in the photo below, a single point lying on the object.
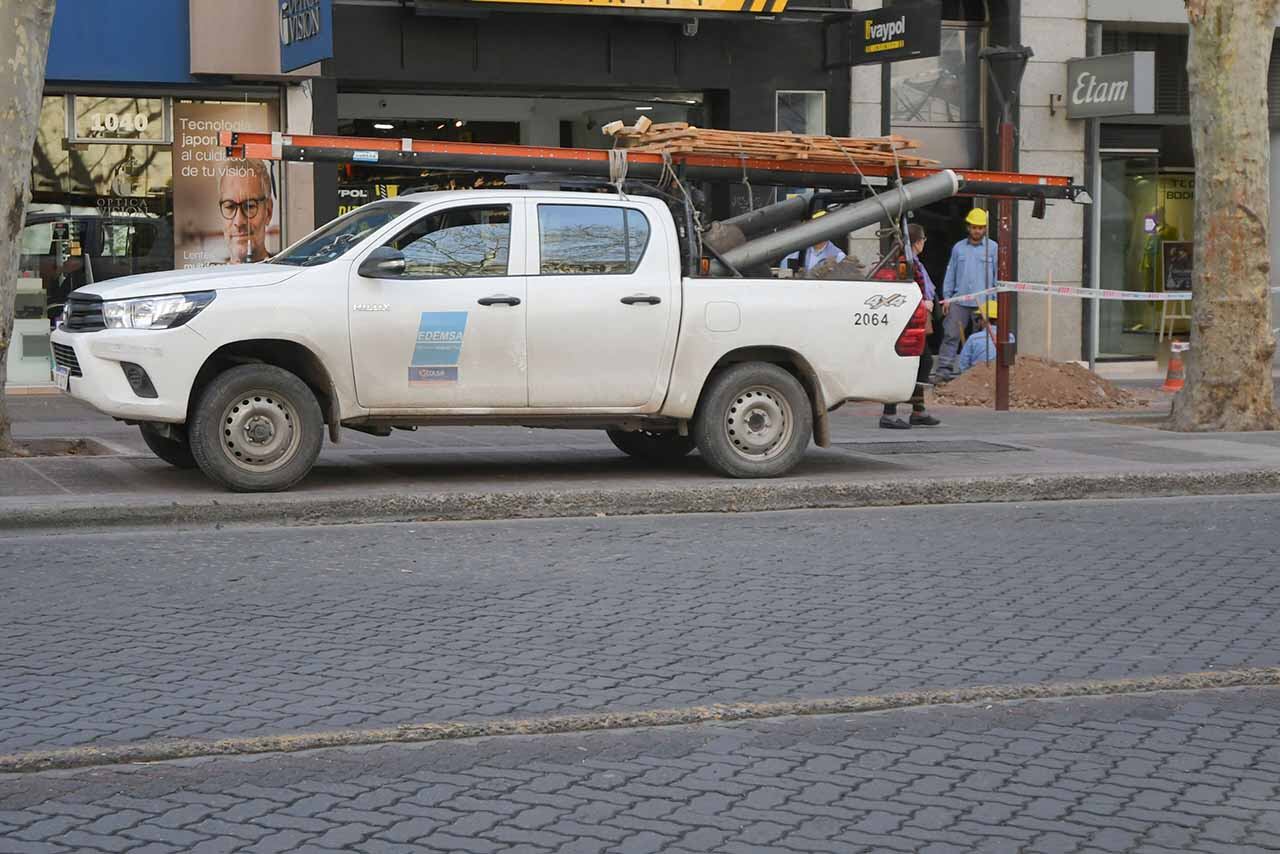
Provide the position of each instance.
(333, 240)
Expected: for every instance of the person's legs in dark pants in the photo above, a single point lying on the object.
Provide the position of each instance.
(919, 416)
(953, 326)
(890, 420)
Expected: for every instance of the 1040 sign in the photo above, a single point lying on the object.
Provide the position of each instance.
(112, 123)
(870, 318)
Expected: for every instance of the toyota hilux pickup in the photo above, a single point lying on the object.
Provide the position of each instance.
(498, 307)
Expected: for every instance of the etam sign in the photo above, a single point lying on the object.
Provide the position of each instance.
(1118, 84)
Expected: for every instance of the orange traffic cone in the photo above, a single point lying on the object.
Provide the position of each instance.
(1177, 373)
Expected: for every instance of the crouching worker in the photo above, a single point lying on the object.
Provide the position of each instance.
(824, 250)
(980, 347)
(920, 416)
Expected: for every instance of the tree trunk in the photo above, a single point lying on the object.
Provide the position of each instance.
(1229, 384)
(24, 47)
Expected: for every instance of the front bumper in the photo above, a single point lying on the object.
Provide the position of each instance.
(171, 358)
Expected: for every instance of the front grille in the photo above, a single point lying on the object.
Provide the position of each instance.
(83, 315)
(65, 357)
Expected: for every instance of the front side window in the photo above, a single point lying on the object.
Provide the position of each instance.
(591, 239)
(338, 237)
(456, 243)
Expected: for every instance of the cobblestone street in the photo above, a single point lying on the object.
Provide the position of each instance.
(205, 634)
(187, 636)
(1173, 773)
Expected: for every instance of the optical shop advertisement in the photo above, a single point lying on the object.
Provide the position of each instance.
(225, 211)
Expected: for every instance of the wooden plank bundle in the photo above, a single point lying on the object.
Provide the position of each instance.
(683, 138)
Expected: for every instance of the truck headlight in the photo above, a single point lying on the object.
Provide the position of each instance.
(163, 312)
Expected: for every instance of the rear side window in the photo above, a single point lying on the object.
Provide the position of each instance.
(591, 239)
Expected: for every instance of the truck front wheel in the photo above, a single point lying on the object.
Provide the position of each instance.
(256, 428)
(652, 446)
(754, 420)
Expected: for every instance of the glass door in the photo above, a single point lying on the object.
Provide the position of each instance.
(1132, 231)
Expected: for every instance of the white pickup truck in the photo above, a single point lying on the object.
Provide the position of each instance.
(543, 309)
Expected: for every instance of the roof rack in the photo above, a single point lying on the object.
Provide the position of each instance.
(408, 153)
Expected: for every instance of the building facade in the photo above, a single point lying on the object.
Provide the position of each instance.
(127, 175)
(549, 74)
(1136, 161)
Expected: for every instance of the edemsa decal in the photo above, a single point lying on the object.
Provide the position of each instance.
(438, 347)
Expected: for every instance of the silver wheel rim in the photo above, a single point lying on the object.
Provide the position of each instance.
(260, 431)
(758, 423)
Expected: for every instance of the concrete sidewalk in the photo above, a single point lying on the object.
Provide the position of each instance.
(471, 473)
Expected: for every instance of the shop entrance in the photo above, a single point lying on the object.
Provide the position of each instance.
(944, 227)
(1146, 219)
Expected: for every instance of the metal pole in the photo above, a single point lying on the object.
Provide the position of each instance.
(771, 216)
(771, 247)
(1004, 272)
(1006, 66)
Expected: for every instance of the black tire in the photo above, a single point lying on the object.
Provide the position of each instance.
(655, 447)
(175, 452)
(256, 428)
(754, 420)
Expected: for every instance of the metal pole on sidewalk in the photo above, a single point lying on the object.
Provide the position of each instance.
(1006, 66)
(1004, 272)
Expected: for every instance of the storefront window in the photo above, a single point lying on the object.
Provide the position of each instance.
(109, 119)
(1145, 245)
(940, 90)
(103, 203)
(802, 112)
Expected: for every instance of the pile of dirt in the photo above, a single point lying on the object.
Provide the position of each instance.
(1036, 383)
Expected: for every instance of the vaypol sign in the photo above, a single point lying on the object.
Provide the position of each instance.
(306, 32)
(904, 31)
(1118, 84)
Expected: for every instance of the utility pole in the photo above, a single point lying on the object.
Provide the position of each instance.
(1006, 66)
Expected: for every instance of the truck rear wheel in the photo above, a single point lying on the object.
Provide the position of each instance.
(652, 446)
(175, 452)
(754, 420)
(256, 428)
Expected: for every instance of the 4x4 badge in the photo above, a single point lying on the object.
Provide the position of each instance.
(880, 301)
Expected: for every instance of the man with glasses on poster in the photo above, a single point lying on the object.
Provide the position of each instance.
(246, 200)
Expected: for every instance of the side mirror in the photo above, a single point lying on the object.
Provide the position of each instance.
(382, 263)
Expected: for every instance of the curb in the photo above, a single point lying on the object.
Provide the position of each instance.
(101, 511)
(168, 750)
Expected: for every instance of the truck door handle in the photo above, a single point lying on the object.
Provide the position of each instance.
(641, 298)
(499, 300)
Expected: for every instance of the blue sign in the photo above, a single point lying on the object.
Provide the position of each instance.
(306, 32)
(438, 347)
(125, 41)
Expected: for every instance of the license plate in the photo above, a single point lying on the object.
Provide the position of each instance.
(62, 378)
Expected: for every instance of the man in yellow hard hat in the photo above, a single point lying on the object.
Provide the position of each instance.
(815, 254)
(972, 269)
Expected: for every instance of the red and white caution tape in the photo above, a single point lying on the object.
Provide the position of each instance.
(1075, 293)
